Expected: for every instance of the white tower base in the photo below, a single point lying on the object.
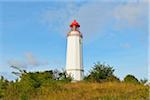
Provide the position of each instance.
(74, 66)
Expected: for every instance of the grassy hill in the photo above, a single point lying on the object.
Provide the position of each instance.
(95, 91)
(100, 84)
(81, 91)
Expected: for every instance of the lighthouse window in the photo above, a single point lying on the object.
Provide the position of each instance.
(74, 28)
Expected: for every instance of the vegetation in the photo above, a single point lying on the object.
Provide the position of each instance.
(143, 81)
(131, 79)
(101, 73)
(100, 84)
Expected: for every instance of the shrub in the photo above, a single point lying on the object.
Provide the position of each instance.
(64, 77)
(131, 79)
(112, 79)
(143, 81)
(100, 72)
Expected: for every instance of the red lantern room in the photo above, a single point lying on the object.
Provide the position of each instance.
(74, 25)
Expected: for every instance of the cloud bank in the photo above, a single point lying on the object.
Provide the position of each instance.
(94, 17)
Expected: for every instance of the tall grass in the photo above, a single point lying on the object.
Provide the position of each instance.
(84, 91)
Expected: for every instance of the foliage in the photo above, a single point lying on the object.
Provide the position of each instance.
(19, 71)
(83, 90)
(3, 85)
(64, 77)
(131, 79)
(143, 81)
(32, 82)
(100, 72)
(57, 85)
(112, 78)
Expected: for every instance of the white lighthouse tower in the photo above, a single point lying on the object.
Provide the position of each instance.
(74, 62)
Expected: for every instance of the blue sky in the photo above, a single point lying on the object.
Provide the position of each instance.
(33, 34)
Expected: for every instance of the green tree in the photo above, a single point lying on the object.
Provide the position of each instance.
(19, 71)
(3, 86)
(130, 79)
(100, 72)
(36, 79)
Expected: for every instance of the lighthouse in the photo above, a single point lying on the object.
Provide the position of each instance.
(74, 60)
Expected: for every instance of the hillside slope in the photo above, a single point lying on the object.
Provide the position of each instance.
(82, 91)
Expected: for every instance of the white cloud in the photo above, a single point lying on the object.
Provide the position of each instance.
(29, 60)
(88, 15)
(131, 14)
(57, 19)
(94, 17)
(34, 61)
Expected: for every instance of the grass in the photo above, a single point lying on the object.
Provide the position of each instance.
(87, 91)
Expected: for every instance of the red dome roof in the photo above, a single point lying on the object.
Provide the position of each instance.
(74, 23)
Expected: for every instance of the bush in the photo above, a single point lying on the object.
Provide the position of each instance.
(112, 79)
(3, 85)
(131, 79)
(100, 72)
(143, 81)
(64, 77)
(54, 84)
